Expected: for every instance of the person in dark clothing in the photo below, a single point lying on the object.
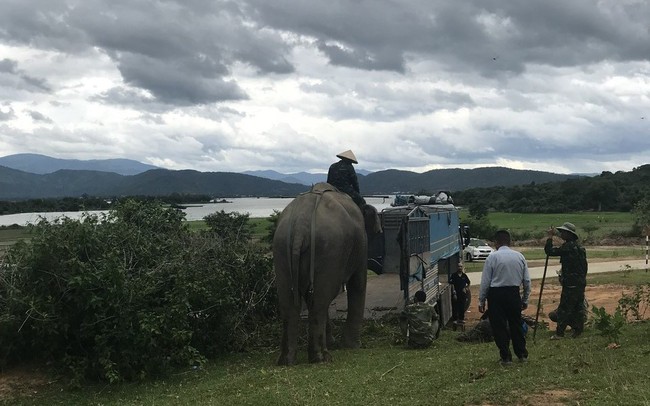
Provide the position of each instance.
(480, 333)
(573, 278)
(505, 270)
(460, 281)
(342, 176)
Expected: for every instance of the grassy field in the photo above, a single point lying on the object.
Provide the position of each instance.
(535, 224)
(570, 371)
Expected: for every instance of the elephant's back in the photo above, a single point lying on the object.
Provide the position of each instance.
(336, 216)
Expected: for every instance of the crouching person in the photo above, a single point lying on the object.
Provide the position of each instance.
(419, 322)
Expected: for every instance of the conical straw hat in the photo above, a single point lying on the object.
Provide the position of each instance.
(348, 155)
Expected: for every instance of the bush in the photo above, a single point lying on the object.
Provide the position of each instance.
(130, 294)
(481, 228)
(636, 304)
(609, 325)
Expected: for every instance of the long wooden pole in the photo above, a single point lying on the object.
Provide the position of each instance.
(539, 301)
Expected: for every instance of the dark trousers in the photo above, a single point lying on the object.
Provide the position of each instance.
(571, 311)
(458, 305)
(505, 318)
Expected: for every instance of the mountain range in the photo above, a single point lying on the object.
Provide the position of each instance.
(27, 176)
(42, 164)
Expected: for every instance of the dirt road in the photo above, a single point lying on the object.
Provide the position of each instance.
(384, 294)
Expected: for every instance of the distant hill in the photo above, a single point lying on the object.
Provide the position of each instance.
(41, 164)
(392, 180)
(304, 178)
(17, 185)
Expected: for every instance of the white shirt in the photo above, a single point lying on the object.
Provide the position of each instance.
(504, 267)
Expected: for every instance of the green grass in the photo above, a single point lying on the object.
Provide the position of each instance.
(9, 235)
(535, 224)
(582, 371)
(570, 371)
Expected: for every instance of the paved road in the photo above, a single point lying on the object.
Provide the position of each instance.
(594, 267)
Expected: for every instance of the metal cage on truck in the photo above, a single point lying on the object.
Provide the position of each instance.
(422, 244)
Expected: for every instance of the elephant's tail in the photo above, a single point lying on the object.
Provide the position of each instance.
(294, 246)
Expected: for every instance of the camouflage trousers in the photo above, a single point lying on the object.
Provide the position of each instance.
(571, 311)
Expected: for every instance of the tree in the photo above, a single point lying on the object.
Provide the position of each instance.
(230, 225)
(641, 214)
(478, 210)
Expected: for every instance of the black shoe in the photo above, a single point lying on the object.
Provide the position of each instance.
(523, 360)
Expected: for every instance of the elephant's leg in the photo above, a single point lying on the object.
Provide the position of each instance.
(289, 344)
(331, 341)
(318, 320)
(356, 306)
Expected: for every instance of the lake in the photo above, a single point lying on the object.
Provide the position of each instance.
(255, 207)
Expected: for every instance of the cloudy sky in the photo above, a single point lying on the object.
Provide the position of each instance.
(555, 85)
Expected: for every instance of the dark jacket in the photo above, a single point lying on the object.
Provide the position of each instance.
(460, 282)
(573, 258)
(343, 176)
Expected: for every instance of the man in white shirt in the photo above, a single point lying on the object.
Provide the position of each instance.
(505, 270)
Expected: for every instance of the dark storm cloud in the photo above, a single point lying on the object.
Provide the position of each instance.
(37, 116)
(22, 80)
(177, 84)
(492, 37)
(182, 52)
(434, 81)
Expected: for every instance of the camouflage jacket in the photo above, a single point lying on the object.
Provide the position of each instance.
(418, 322)
(573, 258)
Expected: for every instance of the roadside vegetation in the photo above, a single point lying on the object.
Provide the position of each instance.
(138, 306)
(588, 370)
(132, 294)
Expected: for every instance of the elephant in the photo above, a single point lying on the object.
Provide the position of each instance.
(320, 243)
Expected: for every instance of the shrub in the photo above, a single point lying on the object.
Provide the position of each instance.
(229, 225)
(609, 325)
(635, 304)
(130, 294)
(481, 228)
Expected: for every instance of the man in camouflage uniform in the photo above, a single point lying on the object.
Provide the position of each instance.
(343, 176)
(419, 322)
(573, 278)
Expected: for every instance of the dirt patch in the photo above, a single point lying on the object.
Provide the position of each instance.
(606, 296)
(550, 397)
(21, 381)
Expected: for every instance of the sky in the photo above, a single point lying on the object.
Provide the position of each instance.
(552, 85)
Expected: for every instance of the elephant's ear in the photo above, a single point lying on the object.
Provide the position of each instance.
(371, 218)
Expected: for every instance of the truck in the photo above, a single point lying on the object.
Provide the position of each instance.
(422, 245)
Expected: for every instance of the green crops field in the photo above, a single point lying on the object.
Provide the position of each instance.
(598, 224)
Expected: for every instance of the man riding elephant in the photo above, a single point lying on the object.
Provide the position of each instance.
(342, 176)
(320, 243)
